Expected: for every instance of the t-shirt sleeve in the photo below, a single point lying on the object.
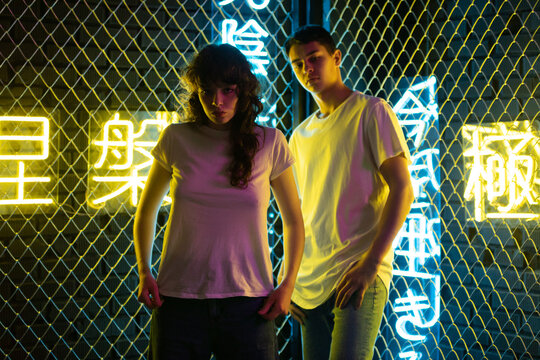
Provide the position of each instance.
(161, 152)
(281, 155)
(385, 135)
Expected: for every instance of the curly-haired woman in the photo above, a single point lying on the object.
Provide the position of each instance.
(214, 291)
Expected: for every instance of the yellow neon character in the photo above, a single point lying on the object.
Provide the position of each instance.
(503, 163)
(121, 154)
(23, 138)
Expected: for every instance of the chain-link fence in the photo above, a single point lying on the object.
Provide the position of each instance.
(88, 85)
(463, 79)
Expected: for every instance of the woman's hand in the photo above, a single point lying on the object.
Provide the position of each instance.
(148, 291)
(278, 302)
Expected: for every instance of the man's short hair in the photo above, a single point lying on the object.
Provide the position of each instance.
(309, 33)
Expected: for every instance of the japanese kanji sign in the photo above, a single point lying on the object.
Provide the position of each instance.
(120, 156)
(502, 165)
(25, 178)
(416, 301)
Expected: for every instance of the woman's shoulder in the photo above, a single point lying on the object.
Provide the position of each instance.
(180, 128)
(270, 135)
(268, 131)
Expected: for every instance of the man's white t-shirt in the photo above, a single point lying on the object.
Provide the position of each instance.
(216, 242)
(342, 190)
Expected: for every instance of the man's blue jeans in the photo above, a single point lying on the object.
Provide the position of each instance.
(230, 328)
(341, 334)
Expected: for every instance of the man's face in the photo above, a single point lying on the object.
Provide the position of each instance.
(314, 67)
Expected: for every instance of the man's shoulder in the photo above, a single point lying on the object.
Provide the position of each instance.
(368, 100)
(303, 124)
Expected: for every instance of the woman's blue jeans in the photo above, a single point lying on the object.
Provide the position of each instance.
(230, 328)
(341, 334)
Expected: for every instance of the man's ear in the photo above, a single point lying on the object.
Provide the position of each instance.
(337, 57)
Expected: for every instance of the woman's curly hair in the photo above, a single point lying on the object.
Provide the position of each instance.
(225, 64)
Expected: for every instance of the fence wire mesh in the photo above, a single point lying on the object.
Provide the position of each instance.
(88, 85)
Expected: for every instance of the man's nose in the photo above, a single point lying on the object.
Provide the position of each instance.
(307, 68)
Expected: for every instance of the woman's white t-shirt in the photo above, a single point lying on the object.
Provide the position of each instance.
(216, 242)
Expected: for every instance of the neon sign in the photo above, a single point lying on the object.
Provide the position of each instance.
(120, 157)
(249, 39)
(416, 301)
(503, 174)
(24, 141)
(251, 3)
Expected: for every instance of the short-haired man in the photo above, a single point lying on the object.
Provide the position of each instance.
(352, 174)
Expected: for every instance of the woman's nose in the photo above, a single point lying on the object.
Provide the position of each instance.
(216, 100)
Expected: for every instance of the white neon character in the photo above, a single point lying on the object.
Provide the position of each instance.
(418, 131)
(415, 307)
(248, 40)
(423, 172)
(31, 147)
(416, 112)
(422, 243)
(266, 120)
(503, 170)
(251, 3)
(134, 181)
(410, 355)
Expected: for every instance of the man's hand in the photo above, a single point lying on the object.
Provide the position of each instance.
(356, 280)
(277, 303)
(148, 291)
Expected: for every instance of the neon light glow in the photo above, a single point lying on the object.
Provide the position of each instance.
(22, 139)
(409, 355)
(502, 164)
(248, 40)
(251, 3)
(20, 180)
(416, 248)
(269, 119)
(124, 158)
(18, 139)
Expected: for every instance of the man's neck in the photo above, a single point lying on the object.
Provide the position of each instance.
(330, 99)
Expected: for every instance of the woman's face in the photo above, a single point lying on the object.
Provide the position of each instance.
(219, 103)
